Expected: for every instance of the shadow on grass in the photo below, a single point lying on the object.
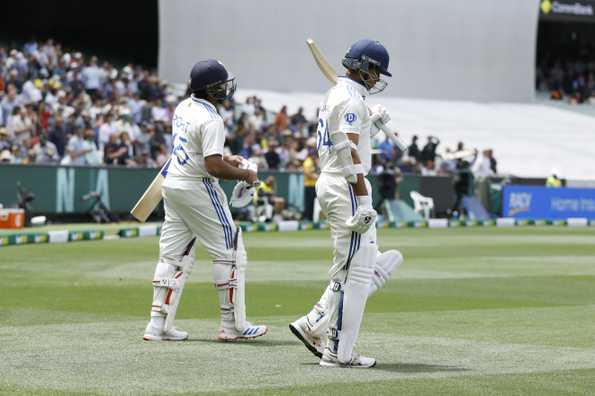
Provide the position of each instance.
(417, 368)
(255, 342)
(409, 367)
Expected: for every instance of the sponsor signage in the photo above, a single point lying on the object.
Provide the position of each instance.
(528, 202)
(567, 9)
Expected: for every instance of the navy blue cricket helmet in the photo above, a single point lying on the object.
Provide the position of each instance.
(212, 78)
(366, 52)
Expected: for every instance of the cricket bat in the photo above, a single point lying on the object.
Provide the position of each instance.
(150, 198)
(331, 75)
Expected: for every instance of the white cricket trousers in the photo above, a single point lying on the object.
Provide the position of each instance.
(199, 211)
(337, 200)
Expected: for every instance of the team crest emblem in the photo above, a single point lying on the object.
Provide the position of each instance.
(350, 118)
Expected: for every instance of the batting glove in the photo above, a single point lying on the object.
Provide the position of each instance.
(364, 217)
(379, 113)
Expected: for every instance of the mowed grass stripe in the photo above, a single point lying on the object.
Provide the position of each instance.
(110, 358)
(131, 299)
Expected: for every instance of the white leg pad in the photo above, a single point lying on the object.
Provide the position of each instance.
(165, 281)
(229, 278)
(168, 285)
(348, 301)
(187, 264)
(386, 264)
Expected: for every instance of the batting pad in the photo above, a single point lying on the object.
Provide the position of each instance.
(347, 303)
(386, 264)
(230, 279)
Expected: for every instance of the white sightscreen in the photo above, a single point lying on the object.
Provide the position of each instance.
(440, 49)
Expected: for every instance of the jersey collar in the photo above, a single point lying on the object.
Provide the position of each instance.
(359, 88)
(204, 102)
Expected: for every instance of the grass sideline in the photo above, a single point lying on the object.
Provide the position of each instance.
(472, 311)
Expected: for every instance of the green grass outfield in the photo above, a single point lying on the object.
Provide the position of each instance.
(472, 311)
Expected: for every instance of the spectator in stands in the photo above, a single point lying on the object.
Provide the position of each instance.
(5, 141)
(272, 156)
(45, 152)
(310, 176)
(93, 155)
(429, 150)
(485, 166)
(299, 118)
(75, 150)
(9, 102)
(162, 156)
(413, 149)
(107, 129)
(19, 126)
(115, 153)
(93, 77)
(428, 168)
(281, 120)
(125, 141)
(6, 157)
(387, 151)
(58, 134)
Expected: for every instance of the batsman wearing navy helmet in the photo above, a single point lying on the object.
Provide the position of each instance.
(196, 210)
(345, 129)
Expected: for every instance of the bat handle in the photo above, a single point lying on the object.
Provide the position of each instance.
(391, 135)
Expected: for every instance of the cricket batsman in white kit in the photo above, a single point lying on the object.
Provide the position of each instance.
(344, 134)
(196, 210)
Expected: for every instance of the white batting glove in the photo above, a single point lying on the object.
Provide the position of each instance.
(250, 165)
(242, 194)
(364, 217)
(379, 113)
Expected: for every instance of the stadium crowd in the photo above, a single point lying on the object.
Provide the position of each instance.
(573, 81)
(61, 107)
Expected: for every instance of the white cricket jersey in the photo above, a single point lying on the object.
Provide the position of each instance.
(197, 132)
(345, 110)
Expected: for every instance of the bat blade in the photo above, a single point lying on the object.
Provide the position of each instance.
(325, 67)
(149, 200)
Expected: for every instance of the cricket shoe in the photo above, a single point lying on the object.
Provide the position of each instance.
(301, 330)
(173, 334)
(329, 359)
(227, 334)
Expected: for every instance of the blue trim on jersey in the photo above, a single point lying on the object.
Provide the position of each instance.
(165, 168)
(226, 234)
(212, 113)
(339, 324)
(353, 200)
(225, 219)
(355, 241)
(226, 227)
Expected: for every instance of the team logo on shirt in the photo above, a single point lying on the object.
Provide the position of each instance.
(350, 118)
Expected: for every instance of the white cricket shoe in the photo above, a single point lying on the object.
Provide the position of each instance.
(154, 334)
(330, 360)
(301, 330)
(250, 331)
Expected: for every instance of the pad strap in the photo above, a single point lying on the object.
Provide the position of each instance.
(169, 283)
(356, 169)
(345, 144)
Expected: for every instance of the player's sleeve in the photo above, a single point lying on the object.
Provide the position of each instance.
(351, 117)
(213, 138)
